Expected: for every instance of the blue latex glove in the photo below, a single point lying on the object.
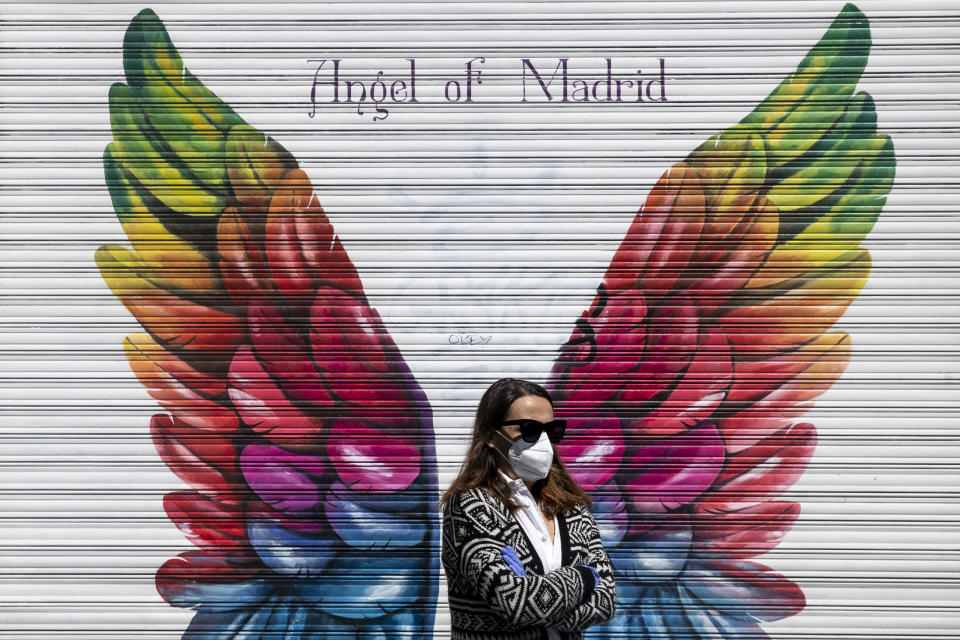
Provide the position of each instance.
(513, 561)
(596, 576)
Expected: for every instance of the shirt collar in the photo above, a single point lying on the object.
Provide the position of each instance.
(519, 492)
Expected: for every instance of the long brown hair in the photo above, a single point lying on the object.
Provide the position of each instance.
(556, 494)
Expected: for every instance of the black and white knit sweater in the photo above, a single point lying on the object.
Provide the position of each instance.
(491, 601)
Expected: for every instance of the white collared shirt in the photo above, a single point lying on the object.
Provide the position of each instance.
(531, 520)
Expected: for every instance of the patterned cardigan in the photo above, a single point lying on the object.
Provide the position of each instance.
(491, 601)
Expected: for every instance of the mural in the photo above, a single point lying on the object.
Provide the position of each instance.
(309, 445)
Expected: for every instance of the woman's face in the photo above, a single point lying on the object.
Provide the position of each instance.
(525, 408)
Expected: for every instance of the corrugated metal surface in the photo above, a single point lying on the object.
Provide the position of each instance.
(480, 231)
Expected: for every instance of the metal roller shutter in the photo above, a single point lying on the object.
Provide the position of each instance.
(293, 460)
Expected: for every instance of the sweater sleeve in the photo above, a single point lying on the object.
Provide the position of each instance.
(601, 604)
(524, 600)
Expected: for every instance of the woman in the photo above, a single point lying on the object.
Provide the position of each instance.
(521, 551)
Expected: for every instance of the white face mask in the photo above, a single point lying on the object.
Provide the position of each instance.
(531, 462)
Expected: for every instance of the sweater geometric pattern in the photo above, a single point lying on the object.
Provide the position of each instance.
(490, 601)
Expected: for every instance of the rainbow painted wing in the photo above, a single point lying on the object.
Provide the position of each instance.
(290, 413)
(709, 335)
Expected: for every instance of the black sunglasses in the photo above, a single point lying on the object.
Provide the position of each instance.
(530, 429)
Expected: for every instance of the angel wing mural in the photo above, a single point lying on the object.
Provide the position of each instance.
(289, 410)
(710, 334)
(308, 445)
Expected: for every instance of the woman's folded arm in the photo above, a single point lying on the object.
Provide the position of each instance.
(493, 570)
(601, 604)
